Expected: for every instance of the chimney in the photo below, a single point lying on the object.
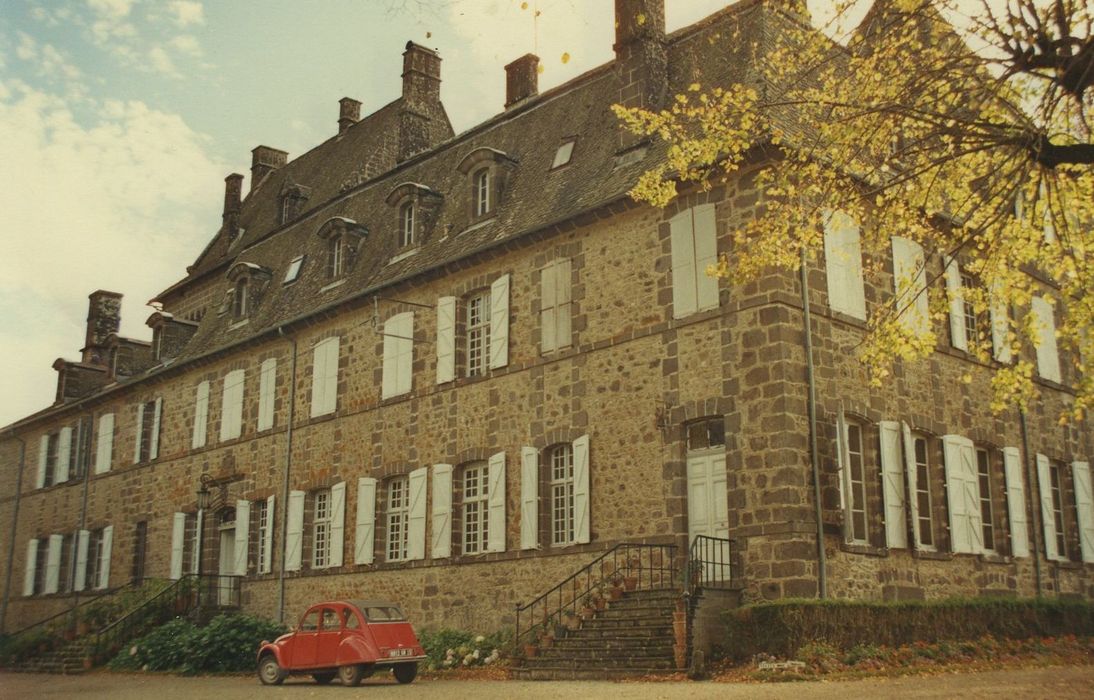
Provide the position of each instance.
(233, 191)
(264, 160)
(349, 113)
(422, 121)
(521, 79)
(421, 75)
(641, 62)
(104, 318)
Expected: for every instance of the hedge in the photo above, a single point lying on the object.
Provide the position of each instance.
(782, 628)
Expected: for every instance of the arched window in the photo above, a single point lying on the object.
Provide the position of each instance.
(481, 192)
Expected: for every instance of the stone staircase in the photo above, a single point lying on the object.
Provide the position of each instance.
(71, 658)
(631, 637)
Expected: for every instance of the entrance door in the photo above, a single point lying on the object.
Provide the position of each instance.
(708, 511)
(227, 564)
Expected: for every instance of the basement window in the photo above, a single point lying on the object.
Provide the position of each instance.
(562, 155)
(294, 270)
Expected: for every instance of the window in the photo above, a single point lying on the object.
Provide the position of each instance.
(694, 249)
(706, 434)
(481, 191)
(140, 546)
(310, 622)
(923, 492)
(231, 406)
(478, 334)
(1048, 359)
(475, 493)
(147, 439)
(264, 534)
(857, 480)
(398, 356)
(324, 378)
(34, 567)
(239, 299)
(406, 225)
(58, 457)
(983, 471)
(321, 530)
(98, 557)
(398, 514)
(562, 494)
(1056, 491)
(971, 320)
(335, 258)
(554, 313)
(843, 265)
(293, 272)
(563, 154)
(288, 209)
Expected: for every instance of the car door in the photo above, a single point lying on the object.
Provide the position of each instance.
(306, 640)
(330, 635)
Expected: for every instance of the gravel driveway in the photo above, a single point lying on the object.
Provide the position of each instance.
(1054, 682)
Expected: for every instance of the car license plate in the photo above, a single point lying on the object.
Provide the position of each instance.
(399, 652)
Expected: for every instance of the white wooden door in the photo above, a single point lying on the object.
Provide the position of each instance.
(708, 511)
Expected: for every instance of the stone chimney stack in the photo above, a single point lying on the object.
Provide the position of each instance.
(421, 110)
(233, 199)
(641, 62)
(104, 317)
(264, 160)
(349, 113)
(521, 79)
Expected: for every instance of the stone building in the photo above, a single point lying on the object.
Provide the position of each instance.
(452, 368)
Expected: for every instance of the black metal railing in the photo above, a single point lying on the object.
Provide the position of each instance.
(632, 566)
(67, 618)
(713, 562)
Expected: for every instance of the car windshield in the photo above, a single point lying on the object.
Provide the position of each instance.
(380, 612)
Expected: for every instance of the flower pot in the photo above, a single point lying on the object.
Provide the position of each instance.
(587, 612)
(529, 651)
(630, 582)
(82, 628)
(601, 604)
(615, 593)
(546, 641)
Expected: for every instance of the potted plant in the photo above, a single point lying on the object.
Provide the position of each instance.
(570, 620)
(630, 581)
(599, 600)
(530, 650)
(588, 606)
(615, 590)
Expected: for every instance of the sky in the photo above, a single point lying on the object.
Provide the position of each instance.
(119, 120)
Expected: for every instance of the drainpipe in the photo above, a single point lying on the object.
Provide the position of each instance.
(14, 523)
(83, 512)
(814, 459)
(285, 479)
(1035, 507)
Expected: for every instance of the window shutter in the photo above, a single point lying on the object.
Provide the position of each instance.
(398, 352)
(195, 546)
(324, 377)
(139, 434)
(912, 474)
(178, 541)
(243, 536)
(104, 563)
(267, 539)
(64, 456)
(43, 460)
(843, 264)
(104, 443)
(154, 447)
(499, 322)
(844, 474)
(892, 475)
(446, 339)
(563, 303)
(267, 385)
(496, 523)
(706, 254)
(682, 243)
(582, 491)
(31, 567)
(416, 520)
(81, 560)
(337, 523)
(442, 511)
(960, 536)
(529, 498)
(957, 304)
(971, 491)
(1084, 507)
(201, 415)
(910, 284)
(1000, 323)
(1016, 503)
(294, 535)
(1048, 359)
(1048, 519)
(548, 308)
(53, 563)
(231, 406)
(364, 543)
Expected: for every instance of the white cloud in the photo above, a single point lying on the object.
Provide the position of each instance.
(186, 44)
(187, 12)
(48, 61)
(161, 62)
(111, 8)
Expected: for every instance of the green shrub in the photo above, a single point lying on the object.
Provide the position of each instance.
(454, 648)
(227, 643)
(20, 646)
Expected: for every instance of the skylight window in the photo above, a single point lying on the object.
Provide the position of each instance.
(562, 155)
(294, 269)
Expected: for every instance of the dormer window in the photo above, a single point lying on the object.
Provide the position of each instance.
(414, 210)
(482, 192)
(334, 256)
(239, 299)
(406, 225)
(341, 237)
(487, 170)
(247, 283)
(291, 202)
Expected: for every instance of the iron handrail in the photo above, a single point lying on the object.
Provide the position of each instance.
(713, 562)
(93, 598)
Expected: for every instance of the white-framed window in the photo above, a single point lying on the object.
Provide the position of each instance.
(562, 494)
(481, 188)
(478, 334)
(1048, 358)
(147, 439)
(857, 479)
(231, 405)
(921, 458)
(321, 530)
(239, 298)
(983, 473)
(98, 557)
(693, 238)
(555, 301)
(324, 391)
(398, 516)
(58, 457)
(264, 534)
(1055, 473)
(335, 257)
(406, 225)
(397, 374)
(475, 490)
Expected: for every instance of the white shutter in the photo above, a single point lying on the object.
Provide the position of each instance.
(1084, 507)
(957, 304)
(267, 538)
(910, 284)
(104, 563)
(324, 396)
(682, 243)
(294, 535)
(337, 523)
(43, 461)
(971, 491)
(31, 567)
(415, 548)
(844, 474)
(442, 511)
(548, 308)
(364, 543)
(892, 476)
(529, 498)
(231, 406)
(843, 264)
(157, 415)
(201, 415)
(1000, 327)
(1048, 517)
(911, 471)
(243, 536)
(582, 491)
(1048, 359)
(195, 547)
(446, 339)
(563, 302)
(706, 254)
(53, 563)
(1016, 503)
(960, 535)
(496, 504)
(139, 435)
(178, 542)
(104, 452)
(499, 322)
(267, 385)
(64, 456)
(81, 560)
(398, 355)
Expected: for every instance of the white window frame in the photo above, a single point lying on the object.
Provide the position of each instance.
(406, 225)
(321, 528)
(397, 512)
(481, 187)
(560, 461)
(987, 507)
(478, 333)
(474, 507)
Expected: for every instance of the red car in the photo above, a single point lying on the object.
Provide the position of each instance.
(348, 639)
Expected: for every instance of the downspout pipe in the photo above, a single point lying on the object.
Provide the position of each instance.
(814, 457)
(285, 478)
(1034, 506)
(14, 522)
(83, 509)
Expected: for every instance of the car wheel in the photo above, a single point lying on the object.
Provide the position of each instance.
(351, 675)
(269, 671)
(405, 673)
(324, 677)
